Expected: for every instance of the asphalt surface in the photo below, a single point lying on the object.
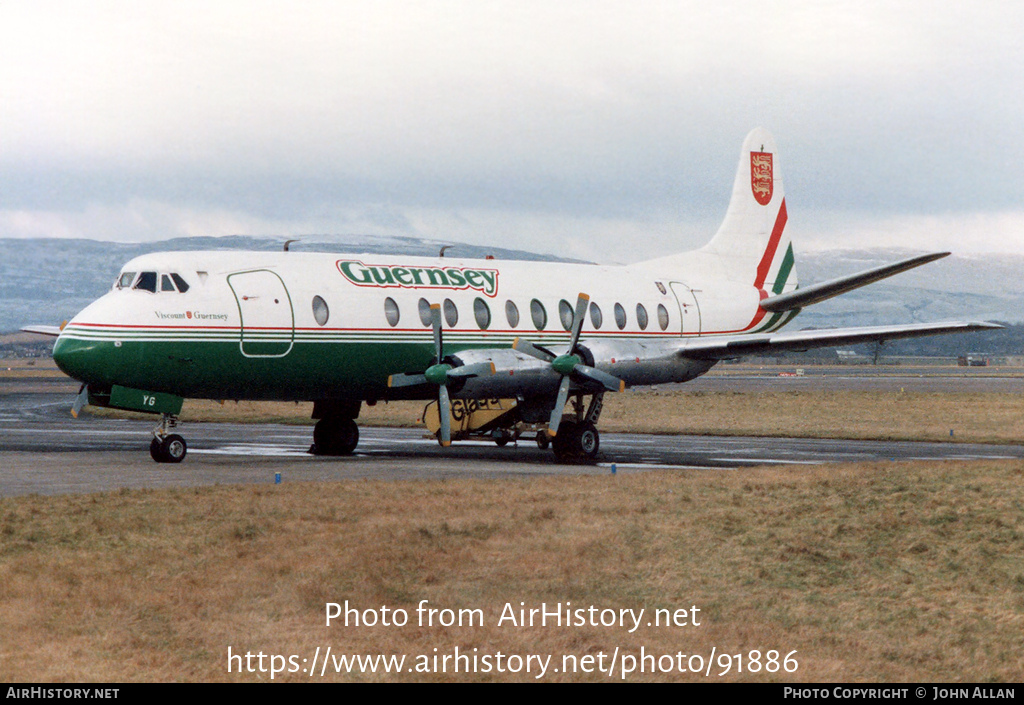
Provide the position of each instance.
(43, 450)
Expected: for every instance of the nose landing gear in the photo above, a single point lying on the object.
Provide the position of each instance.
(167, 447)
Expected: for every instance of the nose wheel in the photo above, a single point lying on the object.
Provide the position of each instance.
(167, 447)
(171, 449)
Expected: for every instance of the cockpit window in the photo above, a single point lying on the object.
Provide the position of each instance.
(125, 280)
(146, 282)
(165, 283)
(182, 284)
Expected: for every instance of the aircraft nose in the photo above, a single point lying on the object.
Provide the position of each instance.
(82, 360)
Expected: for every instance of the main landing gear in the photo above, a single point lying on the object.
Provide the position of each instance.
(336, 432)
(577, 440)
(167, 447)
(334, 435)
(577, 443)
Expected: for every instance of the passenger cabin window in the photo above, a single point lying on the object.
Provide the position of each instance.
(320, 311)
(620, 316)
(662, 316)
(424, 311)
(391, 311)
(540, 316)
(512, 313)
(595, 315)
(451, 313)
(482, 313)
(641, 316)
(565, 314)
(146, 282)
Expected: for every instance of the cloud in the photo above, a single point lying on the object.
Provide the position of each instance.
(588, 122)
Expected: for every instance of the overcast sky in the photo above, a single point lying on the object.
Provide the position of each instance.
(603, 130)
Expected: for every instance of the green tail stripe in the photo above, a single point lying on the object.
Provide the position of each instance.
(784, 270)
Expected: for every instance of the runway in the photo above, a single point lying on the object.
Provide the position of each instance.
(45, 451)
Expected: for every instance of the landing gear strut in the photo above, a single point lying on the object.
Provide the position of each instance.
(167, 447)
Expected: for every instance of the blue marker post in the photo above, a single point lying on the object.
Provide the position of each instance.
(613, 468)
(277, 478)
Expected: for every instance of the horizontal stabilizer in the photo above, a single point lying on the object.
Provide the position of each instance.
(826, 290)
(43, 330)
(726, 347)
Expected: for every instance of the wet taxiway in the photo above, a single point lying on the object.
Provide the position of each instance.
(44, 451)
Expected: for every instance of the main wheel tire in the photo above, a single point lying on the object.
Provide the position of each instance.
(588, 441)
(543, 440)
(335, 436)
(174, 448)
(156, 451)
(563, 443)
(576, 442)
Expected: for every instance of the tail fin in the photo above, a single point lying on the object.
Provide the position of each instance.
(752, 243)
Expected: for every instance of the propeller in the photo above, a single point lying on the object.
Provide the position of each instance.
(570, 365)
(441, 373)
(81, 400)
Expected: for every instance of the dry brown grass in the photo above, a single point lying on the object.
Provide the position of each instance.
(974, 417)
(905, 572)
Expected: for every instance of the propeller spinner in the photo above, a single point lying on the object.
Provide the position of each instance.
(570, 365)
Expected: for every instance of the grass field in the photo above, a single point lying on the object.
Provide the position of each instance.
(872, 572)
(887, 572)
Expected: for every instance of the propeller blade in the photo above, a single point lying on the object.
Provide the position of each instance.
(610, 382)
(480, 369)
(582, 302)
(81, 400)
(556, 414)
(532, 350)
(444, 409)
(404, 380)
(435, 321)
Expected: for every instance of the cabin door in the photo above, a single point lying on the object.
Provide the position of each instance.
(689, 310)
(268, 321)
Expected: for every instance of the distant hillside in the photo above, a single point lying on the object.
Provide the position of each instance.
(986, 287)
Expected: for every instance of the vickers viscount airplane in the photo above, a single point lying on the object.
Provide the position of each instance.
(340, 330)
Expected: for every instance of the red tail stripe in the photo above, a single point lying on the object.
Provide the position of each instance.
(773, 245)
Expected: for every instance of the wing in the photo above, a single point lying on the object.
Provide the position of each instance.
(731, 346)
